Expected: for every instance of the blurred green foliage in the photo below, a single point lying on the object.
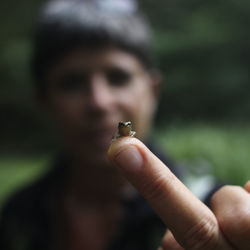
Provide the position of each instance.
(19, 171)
(203, 49)
(203, 52)
(219, 150)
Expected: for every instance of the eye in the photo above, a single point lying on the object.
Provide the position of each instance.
(118, 77)
(71, 82)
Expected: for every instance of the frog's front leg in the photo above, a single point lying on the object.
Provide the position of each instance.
(132, 133)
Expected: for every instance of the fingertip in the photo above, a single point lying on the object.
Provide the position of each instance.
(120, 144)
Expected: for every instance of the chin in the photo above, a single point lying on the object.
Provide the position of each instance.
(97, 157)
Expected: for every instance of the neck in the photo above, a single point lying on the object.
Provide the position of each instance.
(97, 183)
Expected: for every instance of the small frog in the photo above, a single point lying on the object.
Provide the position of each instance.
(125, 129)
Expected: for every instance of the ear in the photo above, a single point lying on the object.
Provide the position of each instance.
(156, 82)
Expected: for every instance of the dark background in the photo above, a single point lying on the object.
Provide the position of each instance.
(203, 51)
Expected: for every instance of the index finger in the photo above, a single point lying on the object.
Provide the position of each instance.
(192, 223)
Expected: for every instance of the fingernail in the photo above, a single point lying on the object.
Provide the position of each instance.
(129, 159)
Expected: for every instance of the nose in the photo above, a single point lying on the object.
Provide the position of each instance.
(100, 96)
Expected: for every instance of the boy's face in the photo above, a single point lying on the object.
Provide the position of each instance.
(91, 90)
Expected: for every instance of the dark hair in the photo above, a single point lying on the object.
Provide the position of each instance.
(66, 25)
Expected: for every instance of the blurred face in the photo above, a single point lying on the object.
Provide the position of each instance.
(90, 91)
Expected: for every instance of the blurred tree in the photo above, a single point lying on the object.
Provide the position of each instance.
(203, 50)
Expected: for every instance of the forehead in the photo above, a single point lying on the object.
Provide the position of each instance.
(98, 58)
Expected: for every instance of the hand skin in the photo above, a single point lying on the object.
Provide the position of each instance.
(191, 223)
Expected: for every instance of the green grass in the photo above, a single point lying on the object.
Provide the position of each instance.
(17, 171)
(218, 150)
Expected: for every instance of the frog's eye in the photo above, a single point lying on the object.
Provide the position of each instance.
(121, 124)
(128, 123)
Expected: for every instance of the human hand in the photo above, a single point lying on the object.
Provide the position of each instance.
(193, 225)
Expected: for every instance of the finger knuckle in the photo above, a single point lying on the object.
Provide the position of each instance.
(224, 192)
(232, 209)
(202, 236)
(236, 221)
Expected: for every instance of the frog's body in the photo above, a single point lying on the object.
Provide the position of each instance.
(125, 129)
